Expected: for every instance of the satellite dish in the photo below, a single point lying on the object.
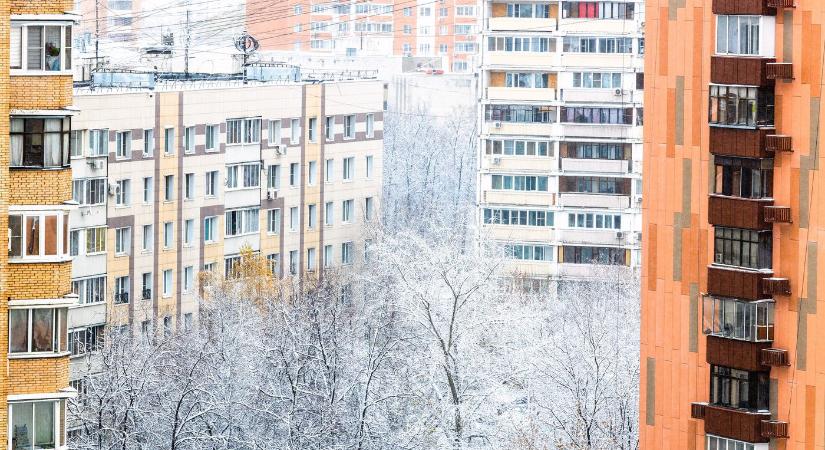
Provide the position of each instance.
(246, 43)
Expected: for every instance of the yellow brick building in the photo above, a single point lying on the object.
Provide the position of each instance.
(35, 201)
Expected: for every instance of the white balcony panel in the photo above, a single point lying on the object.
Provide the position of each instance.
(600, 95)
(234, 244)
(598, 60)
(521, 24)
(85, 315)
(238, 198)
(86, 266)
(521, 94)
(577, 25)
(601, 131)
(521, 129)
(520, 164)
(538, 269)
(581, 271)
(594, 165)
(519, 233)
(538, 199)
(243, 153)
(590, 237)
(522, 59)
(594, 200)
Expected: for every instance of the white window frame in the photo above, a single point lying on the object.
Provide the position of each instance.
(123, 238)
(65, 51)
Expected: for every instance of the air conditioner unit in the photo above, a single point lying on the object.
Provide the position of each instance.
(280, 150)
(271, 193)
(718, 258)
(496, 124)
(113, 189)
(618, 92)
(620, 235)
(496, 161)
(638, 199)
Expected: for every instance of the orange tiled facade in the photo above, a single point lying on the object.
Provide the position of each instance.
(35, 194)
(732, 225)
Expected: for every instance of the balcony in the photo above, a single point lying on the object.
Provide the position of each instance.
(586, 200)
(774, 429)
(740, 70)
(738, 354)
(521, 23)
(742, 142)
(779, 71)
(520, 94)
(614, 166)
(737, 283)
(737, 212)
(736, 424)
(774, 357)
(778, 143)
(776, 286)
(745, 7)
(778, 214)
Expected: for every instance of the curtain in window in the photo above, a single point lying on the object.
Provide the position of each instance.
(53, 48)
(52, 149)
(34, 55)
(16, 60)
(16, 143)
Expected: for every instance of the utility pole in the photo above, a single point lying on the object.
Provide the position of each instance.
(186, 46)
(97, 34)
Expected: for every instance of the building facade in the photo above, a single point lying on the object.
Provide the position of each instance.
(441, 34)
(731, 226)
(559, 176)
(35, 204)
(182, 177)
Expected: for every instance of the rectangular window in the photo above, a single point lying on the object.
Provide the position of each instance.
(597, 80)
(329, 170)
(349, 127)
(329, 128)
(347, 207)
(274, 176)
(148, 143)
(594, 150)
(346, 253)
(123, 144)
(189, 140)
(241, 221)
(370, 125)
(38, 235)
(312, 173)
(188, 278)
(209, 229)
(733, 388)
(37, 330)
(741, 106)
(529, 252)
(243, 131)
(189, 186)
(168, 235)
(122, 289)
(275, 132)
(313, 129)
(211, 138)
(312, 216)
(520, 113)
(211, 183)
(167, 282)
(273, 221)
(148, 238)
(169, 141)
(328, 256)
(90, 290)
(39, 142)
(98, 142)
(74, 242)
(77, 143)
(293, 218)
(274, 261)
(123, 240)
(594, 185)
(368, 206)
(743, 177)
(737, 35)
(328, 213)
(598, 10)
(123, 193)
(519, 183)
(148, 189)
(38, 47)
(349, 168)
(605, 116)
(310, 259)
(743, 248)
(35, 424)
(369, 163)
(293, 262)
(738, 319)
(594, 255)
(295, 131)
(188, 232)
(293, 174)
(95, 238)
(168, 188)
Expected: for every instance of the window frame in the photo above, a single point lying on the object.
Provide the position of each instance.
(65, 62)
(64, 140)
(59, 331)
(40, 219)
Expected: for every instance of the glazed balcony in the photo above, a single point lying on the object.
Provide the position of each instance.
(738, 212)
(746, 7)
(741, 70)
(742, 142)
(739, 424)
(738, 354)
(737, 283)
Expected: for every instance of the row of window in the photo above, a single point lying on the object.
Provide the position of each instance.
(588, 44)
(347, 257)
(531, 217)
(519, 183)
(734, 388)
(743, 177)
(741, 106)
(518, 147)
(535, 80)
(739, 319)
(578, 150)
(595, 185)
(743, 248)
(598, 10)
(569, 254)
(567, 114)
(38, 235)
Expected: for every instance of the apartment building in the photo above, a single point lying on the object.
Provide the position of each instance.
(444, 32)
(35, 203)
(560, 150)
(180, 176)
(729, 343)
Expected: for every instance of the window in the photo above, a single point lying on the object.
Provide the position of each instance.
(34, 235)
(329, 128)
(313, 129)
(187, 321)
(209, 229)
(293, 262)
(597, 80)
(511, 147)
(211, 138)
(35, 424)
(168, 188)
(370, 125)
(720, 443)
(274, 261)
(466, 47)
(38, 47)
(595, 185)
(368, 206)
(612, 116)
(739, 319)
(529, 252)
(37, 330)
(211, 183)
(531, 217)
(328, 171)
(188, 278)
(123, 144)
(369, 164)
(407, 11)
(520, 113)
(349, 168)
(169, 141)
(148, 189)
(148, 238)
(167, 282)
(98, 142)
(743, 177)
(189, 140)
(737, 35)
(293, 218)
(463, 29)
(274, 176)
(148, 143)
(295, 131)
(293, 174)
(241, 221)
(328, 213)
(346, 207)
(90, 290)
(168, 235)
(536, 80)
(123, 193)
(528, 10)
(741, 106)
(594, 150)
(275, 132)
(76, 147)
(442, 48)
(597, 10)
(521, 44)
(167, 326)
(243, 176)
(519, 183)
(123, 237)
(122, 288)
(735, 388)
(311, 259)
(312, 216)
(243, 131)
(465, 11)
(188, 232)
(312, 173)
(39, 142)
(743, 248)
(95, 239)
(594, 255)
(189, 186)
(86, 340)
(346, 253)
(349, 127)
(587, 44)
(74, 242)
(273, 221)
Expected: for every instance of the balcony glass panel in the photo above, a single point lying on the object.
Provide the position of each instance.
(741, 106)
(744, 177)
(37, 330)
(733, 388)
(739, 319)
(40, 142)
(742, 248)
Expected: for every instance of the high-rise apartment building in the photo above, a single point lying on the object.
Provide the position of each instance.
(560, 150)
(730, 283)
(35, 203)
(445, 31)
(181, 177)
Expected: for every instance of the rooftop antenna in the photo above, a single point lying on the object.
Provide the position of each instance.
(247, 45)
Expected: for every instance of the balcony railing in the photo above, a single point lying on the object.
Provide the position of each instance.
(776, 286)
(778, 143)
(781, 3)
(736, 283)
(778, 214)
(147, 294)
(738, 212)
(775, 357)
(738, 424)
(749, 71)
(697, 410)
(779, 71)
(121, 297)
(774, 429)
(739, 354)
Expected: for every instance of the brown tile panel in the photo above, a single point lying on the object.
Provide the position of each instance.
(740, 70)
(736, 283)
(734, 353)
(738, 212)
(757, 7)
(735, 424)
(743, 142)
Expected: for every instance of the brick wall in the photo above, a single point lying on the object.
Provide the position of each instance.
(40, 187)
(41, 92)
(32, 376)
(40, 6)
(28, 281)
